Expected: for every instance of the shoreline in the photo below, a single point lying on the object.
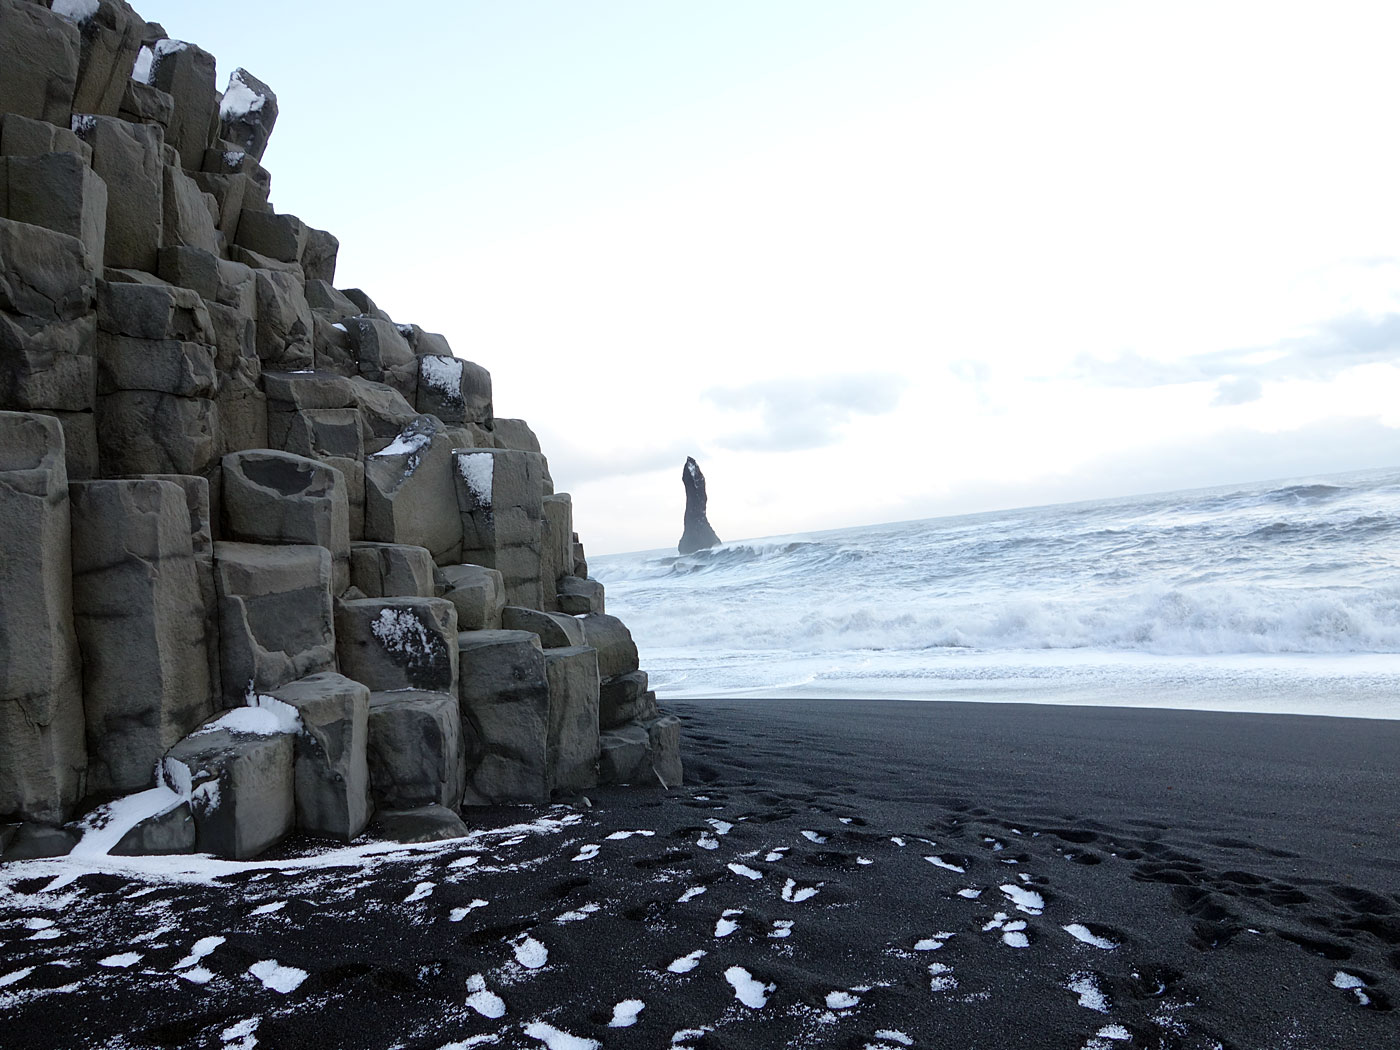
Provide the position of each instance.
(1237, 864)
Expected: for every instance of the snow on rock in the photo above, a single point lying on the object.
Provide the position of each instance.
(625, 1013)
(240, 99)
(556, 1039)
(405, 444)
(141, 72)
(264, 716)
(400, 631)
(443, 374)
(276, 977)
(477, 470)
(686, 963)
(484, 1001)
(76, 10)
(529, 952)
(749, 991)
(104, 827)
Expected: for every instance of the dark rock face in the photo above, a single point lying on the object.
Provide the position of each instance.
(225, 483)
(698, 535)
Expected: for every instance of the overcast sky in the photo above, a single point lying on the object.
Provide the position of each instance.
(866, 261)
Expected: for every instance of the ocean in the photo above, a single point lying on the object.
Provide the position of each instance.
(1273, 597)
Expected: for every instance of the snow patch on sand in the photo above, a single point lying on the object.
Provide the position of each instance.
(276, 977)
(557, 1039)
(745, 871)
(484, 1001)
(529, 952)
(686, 963)
(625, 1013)
(749, 991)
(1091, 997)
(939, 862)
(1025, 900)
(1080, 932)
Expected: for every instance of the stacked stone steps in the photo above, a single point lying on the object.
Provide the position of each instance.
(264, 547)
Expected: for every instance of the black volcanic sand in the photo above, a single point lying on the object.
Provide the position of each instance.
(1239, 863)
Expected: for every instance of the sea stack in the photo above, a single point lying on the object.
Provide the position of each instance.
(698, 535)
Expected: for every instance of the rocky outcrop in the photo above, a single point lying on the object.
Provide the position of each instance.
(697, 535)
(265, 553)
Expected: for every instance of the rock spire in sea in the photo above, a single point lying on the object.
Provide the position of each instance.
(697, 535)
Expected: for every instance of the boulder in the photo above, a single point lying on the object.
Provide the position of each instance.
(573, 717)
(165, 834)
(140, 616)
(617, 653)
(410, 495)
(22, 137)
(389, 570)
(43, 755)
(154, 310)
(40, 53)
(284, 322)
(59, 192)
(500, 496)
(151, 432)
(504, 691)
(35, 841)
(280, 498)
(187, 74)
(111, 37)
(664, 739)
(240, 785)
(579, 597)
(454, 390)
(697, 534)
(383, 411)
(383, 355)
(188, 214)
(129, 158)
(319, 256)
(275, 618)
(422, 824)
(331, 754)
(624, 755)
(144, 104)
(415, 749)
(556, 630)
(44, 274)
(48, 365)
(247, 113)
(642, 754)
(398, 643)
(624, 698)
(166, 366)
(556, 546)
(478, 593)
(280, 237)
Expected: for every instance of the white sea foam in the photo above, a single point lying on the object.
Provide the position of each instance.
(1264, 597)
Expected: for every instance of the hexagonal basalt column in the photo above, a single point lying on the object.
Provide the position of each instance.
(42, 752)
(398, 643)
(277, 497)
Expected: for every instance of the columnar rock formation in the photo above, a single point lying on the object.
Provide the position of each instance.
(697, 535)
(262, 548)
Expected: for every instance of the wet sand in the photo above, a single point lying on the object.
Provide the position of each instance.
(833, 873)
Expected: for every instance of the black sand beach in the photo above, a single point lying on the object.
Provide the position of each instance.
(1229, 880)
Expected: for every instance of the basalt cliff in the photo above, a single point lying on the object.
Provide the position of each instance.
(269, 562)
